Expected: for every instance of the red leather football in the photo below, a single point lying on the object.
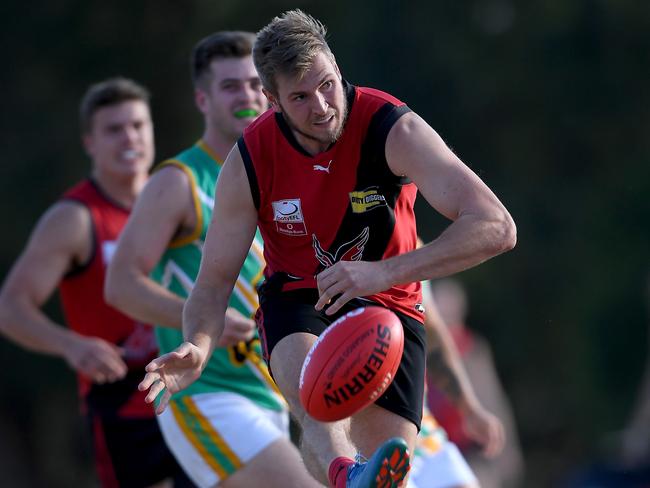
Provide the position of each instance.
(351, 364)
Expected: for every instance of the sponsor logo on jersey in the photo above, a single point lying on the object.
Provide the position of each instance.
(288, 217)
(367, 199)
(350, 251)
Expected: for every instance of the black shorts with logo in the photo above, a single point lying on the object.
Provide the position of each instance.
(282, 313)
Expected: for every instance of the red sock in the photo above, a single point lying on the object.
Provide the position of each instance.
(338, 470)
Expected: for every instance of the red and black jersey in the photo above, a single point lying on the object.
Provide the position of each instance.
(86, 312)
(342, 204)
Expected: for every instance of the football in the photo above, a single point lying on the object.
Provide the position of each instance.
(351, 363)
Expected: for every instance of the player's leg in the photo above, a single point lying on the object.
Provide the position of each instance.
(218, 438)
(289, 325)
(398, 412)
(367, 436)
(320, 442)
(329, 442)
(277, 466)
(369, 430)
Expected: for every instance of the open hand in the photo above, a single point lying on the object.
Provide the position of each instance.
(172, 372)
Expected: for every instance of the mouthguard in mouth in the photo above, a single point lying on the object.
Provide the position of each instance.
(247, 112)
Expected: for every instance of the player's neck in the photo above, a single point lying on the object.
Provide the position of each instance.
(312, 146)
(218, 143)
(122, 189)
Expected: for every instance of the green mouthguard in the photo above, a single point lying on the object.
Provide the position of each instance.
(247, 112)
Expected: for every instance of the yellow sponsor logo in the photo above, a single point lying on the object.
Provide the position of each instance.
(365, 200)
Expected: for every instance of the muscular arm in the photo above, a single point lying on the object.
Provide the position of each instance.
(62, 237)
(481, 227)
(164, 206)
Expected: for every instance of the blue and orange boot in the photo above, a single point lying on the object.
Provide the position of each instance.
(387, 467)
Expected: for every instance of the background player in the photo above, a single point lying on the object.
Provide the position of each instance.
(70, 248)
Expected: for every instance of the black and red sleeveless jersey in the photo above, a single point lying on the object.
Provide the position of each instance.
(86, 312)
(342, 204)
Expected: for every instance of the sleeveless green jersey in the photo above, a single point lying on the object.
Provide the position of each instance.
(239, 369)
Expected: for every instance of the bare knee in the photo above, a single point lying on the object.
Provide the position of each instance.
(286, 363)
(372, 426)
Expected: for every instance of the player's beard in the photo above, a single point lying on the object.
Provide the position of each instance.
(328, 138)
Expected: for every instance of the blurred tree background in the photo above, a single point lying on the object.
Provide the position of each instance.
(546, 100)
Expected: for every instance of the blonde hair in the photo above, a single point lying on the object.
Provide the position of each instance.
(288, 45)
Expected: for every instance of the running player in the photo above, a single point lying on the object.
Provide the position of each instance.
(330, 176)
(70, 248)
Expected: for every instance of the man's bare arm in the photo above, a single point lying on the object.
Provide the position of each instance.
(160, 213)
(61, 239)
(481, 226)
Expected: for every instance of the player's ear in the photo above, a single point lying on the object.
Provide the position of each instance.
(87, 142)
(200, 99)
(273, 101)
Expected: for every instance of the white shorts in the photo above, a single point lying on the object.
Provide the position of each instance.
(445, 468)
(212, 435)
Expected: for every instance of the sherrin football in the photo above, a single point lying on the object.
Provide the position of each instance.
(351, 364)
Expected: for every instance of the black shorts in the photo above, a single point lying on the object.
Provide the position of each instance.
(282, 313)
(131, 453)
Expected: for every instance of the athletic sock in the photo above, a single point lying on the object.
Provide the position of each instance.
(338, 470)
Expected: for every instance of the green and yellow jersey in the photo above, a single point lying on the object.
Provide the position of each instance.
(239, 369)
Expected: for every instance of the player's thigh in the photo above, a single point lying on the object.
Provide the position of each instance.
(214, 435)
(398, 411)
(286, 363)
(277, 466)
(288, 325)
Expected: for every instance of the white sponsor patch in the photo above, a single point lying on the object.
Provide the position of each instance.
(288, 217)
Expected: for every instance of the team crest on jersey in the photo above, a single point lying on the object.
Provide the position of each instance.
(288, 217)
(367, 199)
(350, 251)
